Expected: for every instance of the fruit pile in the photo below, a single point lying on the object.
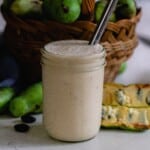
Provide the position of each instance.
(21, 103)
(68, 11)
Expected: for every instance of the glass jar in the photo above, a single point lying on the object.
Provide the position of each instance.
(73, 76)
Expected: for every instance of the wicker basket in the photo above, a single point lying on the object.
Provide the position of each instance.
(25, 38)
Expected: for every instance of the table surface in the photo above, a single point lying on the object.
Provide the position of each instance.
(138, 71)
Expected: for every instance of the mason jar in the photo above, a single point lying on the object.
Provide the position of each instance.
(73, 77)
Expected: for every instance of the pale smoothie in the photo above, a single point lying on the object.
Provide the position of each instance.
(73, 74)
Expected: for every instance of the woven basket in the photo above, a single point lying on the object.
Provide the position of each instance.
(25, 38)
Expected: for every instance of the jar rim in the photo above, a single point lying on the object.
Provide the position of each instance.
(83, 59)
(72, 53)
(88, 60)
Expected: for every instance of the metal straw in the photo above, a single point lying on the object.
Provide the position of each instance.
(103, 22)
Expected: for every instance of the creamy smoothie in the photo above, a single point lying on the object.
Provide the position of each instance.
(73, 74)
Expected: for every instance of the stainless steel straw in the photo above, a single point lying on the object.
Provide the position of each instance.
(103, 22)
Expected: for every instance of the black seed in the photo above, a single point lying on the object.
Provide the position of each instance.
(21, 128)
(28, 119)
(109, 116)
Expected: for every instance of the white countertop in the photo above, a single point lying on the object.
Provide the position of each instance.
(138, 71)
(37, 139)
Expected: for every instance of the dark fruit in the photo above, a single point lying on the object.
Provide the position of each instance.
(126, 9)
(21, 128)
(28, 119)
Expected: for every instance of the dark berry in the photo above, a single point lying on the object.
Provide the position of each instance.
(28, 119)
(21, 128)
